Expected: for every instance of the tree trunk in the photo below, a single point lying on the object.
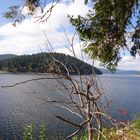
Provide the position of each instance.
(89, 115)
(90, 130)
(89, 123)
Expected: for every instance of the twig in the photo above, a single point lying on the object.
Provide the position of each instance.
(49, 11)
(66, 108)
(71, 43)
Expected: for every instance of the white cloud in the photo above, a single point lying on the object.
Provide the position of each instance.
(129, 62)
(127, 59)
(78, 8)
(28, 36)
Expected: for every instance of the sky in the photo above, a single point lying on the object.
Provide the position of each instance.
(30, 36)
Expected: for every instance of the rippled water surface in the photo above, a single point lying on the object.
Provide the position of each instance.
(26, 103)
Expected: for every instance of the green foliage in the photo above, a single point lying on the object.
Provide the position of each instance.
(136, 39)
(12, 13)
(136, 122)
(81, 136)
(42, 133)
(32, 5)
(15, 12)
(104, 29)
(44, 62)
(28, 133)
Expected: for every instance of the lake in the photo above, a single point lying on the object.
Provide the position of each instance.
(26, 103)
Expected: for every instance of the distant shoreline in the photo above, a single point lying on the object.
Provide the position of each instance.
(45, 73)
(135, 75)
(38, 73)
(8, 72)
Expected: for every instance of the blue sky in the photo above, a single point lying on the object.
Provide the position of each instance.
(28, 37)
(4, 7)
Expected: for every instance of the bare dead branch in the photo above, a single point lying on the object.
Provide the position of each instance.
(62, 65)
(30, 80)
(68, 109)
(59, 101)
(68, 121)
(71, 43)
(73, 134)
(77, 131)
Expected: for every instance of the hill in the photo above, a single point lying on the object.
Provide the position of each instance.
(7, 56)
(47, 62)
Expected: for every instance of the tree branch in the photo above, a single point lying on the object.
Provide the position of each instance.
(30, 80)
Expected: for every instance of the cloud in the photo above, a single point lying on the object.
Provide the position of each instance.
(28, 37)
(129, 62)
(127, 59)
(78, 8)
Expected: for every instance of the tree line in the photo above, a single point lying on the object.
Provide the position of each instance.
(46, 63)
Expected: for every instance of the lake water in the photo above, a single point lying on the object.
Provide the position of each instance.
(27, 102)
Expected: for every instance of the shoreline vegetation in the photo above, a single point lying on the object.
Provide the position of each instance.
(130, 131)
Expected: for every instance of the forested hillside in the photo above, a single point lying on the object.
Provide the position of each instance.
(46, 62)
(7, 56)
